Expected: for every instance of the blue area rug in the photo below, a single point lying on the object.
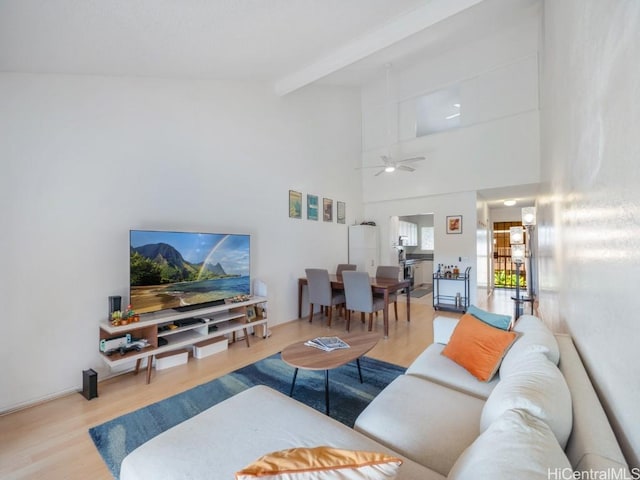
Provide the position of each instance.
(116, 438)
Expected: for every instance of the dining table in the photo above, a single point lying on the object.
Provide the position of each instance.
(385, 286)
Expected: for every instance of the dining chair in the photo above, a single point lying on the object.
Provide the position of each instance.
(344, 267)
(320, 292)
(359, 296)
(390, 271)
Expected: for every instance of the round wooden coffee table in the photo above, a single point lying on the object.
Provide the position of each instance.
(299, 355)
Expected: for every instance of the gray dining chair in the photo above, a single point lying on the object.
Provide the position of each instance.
(390, 271)
(359, 296)
(320, 292)
(345, 267)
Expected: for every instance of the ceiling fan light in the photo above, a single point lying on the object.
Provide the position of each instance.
(389, 169)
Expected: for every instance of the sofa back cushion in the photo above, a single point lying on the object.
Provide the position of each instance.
(516, 445)
(538, 388)
(535, 337)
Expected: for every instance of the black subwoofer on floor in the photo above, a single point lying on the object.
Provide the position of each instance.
(89, 384)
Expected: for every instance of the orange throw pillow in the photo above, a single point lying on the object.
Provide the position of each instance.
(478, 347)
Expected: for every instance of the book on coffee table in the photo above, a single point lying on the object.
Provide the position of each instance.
(328, 344)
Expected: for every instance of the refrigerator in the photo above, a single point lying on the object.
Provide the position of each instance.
(364, 249)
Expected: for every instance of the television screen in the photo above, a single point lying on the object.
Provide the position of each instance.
(182, 270)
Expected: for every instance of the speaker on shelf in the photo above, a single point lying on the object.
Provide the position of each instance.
(89, 384)
(115, 304)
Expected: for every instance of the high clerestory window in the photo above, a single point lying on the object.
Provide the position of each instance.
(438, 111)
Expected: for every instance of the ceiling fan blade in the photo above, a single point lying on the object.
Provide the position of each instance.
(412, 159)
(381, 171)
(406, 168)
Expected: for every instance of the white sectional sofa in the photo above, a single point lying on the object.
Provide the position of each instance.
(531, 422)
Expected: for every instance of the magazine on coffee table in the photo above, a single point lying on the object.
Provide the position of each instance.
(328, 344)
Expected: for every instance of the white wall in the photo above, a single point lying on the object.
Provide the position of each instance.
(589, 224)
(85, 159)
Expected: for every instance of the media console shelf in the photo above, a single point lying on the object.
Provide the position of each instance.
(181, 329)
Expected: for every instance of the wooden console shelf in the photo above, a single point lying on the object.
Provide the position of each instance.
(217, 321)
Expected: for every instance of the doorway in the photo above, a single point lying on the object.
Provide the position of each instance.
(504, 270)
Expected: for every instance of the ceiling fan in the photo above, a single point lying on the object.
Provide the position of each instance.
(390, 165)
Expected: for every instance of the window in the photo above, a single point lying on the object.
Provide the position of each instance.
(438, 111)
(426, 238)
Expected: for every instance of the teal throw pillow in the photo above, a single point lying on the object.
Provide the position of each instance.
(494, 319)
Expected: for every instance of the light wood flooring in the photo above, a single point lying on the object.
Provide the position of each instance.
(51, 440)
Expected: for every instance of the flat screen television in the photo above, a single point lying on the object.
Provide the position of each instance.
(186, 270)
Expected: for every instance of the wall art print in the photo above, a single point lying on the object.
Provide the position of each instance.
(341, 212)
(454, 224)
(295, 204)
(327, 210)
(312, 207)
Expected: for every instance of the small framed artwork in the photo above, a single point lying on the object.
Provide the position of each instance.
(454, 224)
(295, 204)
(312, 207)
(327, 210)
(251, 313)
(341, 212)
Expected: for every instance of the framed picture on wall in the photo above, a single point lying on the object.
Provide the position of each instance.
(295, 204)
(312, 207)
(454, 224)
(341, 209)
(327, 210)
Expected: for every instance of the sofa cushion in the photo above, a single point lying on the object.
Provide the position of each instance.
(536, 337)
(322, 463)
(226, 437)
(538, 388)
(497, 320)
(517, 445)
(478, 347)
(421, 420)
(433, 366)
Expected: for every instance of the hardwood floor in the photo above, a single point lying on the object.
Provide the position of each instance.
(51, 440)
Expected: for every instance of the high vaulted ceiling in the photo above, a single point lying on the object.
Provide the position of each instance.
(289, 43)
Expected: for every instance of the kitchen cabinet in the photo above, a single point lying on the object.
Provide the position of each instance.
(418, 274)
(427, 270)
(409, 232)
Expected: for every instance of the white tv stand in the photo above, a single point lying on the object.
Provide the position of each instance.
(220, 320)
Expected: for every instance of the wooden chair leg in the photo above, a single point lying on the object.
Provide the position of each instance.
(370, 321)
(348, 314)
(362, 317)
(330, 310)
(395, 309)
(310, 312)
